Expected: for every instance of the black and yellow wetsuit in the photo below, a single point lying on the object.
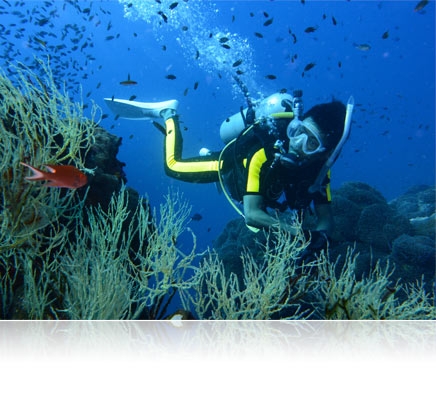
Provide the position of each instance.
(247, 168)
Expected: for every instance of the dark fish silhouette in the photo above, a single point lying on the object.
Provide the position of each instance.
(268, 22)
(128, 82)
(309, 66)
(420, 5)
(196, 217)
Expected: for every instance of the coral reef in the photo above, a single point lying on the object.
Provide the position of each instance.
(98, 252)
(381, 233)
(418, 206)
(269, 284)
(101, 252)
(385, 231)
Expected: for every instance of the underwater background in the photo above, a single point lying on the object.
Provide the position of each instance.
(382, 53)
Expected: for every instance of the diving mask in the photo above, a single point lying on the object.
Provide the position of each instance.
(304, 137)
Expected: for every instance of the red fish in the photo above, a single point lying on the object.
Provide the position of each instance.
(62, 176)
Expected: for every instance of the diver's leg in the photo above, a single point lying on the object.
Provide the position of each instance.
(196, 169)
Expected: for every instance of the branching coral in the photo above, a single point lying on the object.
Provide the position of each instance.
(279, 288)
(38, 125)
(341, 296)
(274, 285)
(105, 280)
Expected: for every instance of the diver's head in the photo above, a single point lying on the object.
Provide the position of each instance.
(319, 132)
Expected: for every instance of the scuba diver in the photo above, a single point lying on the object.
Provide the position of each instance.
(274, 151)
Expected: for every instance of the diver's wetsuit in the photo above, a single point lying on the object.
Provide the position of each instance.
(247, 168)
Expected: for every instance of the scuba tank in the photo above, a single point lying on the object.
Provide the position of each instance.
(234, 125)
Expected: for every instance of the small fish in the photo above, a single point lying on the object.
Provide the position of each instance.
(131, 98)
(334, 20)
(43, 43)
(237, 63)
(311, 29)
(196, 217)
(195, 85)
(420, 5)
(385, 35)
(309, 66)
(62, 176)
(226, 46)
(164, 17)
(259, 35)
(170, 77)
(185, 28)
(270, 77)
(110, 37)
(128, 82)
(362, 47)
(173, 5)
(268, 22)
(224, 40)
(42, 21)
(185, 92)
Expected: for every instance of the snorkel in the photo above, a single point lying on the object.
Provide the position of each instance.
(331, 160)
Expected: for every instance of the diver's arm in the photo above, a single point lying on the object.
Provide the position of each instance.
(256, 216)
(325, 218)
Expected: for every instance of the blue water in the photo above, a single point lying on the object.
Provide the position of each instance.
(392, 144)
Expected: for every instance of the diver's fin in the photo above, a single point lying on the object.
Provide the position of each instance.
(138, 110)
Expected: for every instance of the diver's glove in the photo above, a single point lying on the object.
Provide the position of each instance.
(318, 241)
